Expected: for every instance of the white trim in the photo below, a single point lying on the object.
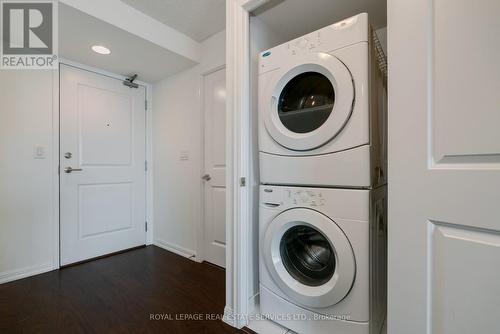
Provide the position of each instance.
(254, 303)
(12, 275)
(238, 159)
(55, 169)
(213, 70)
(200, 231)
(150, 171)
(229, 317)
(251, 5)
(179, 250)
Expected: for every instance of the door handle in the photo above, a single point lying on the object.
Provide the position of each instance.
(206, 177)
(70, 170)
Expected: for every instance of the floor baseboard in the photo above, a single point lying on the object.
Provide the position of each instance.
(13, 275)
(102, 256)
(188, 253)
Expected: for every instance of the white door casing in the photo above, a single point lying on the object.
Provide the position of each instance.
(102, 125)
(444, 167)
(214, 102)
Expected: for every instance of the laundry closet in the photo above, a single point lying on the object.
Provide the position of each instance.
(318, 106)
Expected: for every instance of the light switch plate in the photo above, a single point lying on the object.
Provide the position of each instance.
(39, 152)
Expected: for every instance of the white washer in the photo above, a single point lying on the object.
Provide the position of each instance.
(322, 109)
(322, 258)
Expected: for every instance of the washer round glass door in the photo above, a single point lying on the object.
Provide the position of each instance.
(309, 257)
(309, 102)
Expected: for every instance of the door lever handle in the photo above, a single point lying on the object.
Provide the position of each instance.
(206, 177)
(70, 170)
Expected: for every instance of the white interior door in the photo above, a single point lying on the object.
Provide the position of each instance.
(214, 102)
(102, 127)
(444, 166)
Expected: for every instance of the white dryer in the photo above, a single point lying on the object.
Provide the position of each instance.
(322, 259)
(322, 109)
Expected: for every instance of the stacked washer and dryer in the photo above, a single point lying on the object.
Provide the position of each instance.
(322, 147)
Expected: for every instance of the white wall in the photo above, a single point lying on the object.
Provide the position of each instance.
(177, 128)
(28, 221)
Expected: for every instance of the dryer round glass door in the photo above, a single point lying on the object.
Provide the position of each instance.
(309, 257)
(308, 102)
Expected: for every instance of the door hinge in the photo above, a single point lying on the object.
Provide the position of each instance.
(146, 226)
(145, 104)
(243, 182)
(146, 165)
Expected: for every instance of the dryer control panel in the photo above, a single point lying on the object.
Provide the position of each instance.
(309, 42)
(328, 39)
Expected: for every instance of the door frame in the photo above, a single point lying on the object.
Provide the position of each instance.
(56, 149)
(238, 156)
(200, 231)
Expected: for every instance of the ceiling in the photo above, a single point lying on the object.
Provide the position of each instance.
(130, 54)
(293, 18)
(198, 19)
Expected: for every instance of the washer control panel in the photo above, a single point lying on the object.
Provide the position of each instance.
(307, 197)
(277, 196)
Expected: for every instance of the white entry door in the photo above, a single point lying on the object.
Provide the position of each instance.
(214, 102)
(444, 167)
(102, 139)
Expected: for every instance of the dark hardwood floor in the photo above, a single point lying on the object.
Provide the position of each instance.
(118, 294)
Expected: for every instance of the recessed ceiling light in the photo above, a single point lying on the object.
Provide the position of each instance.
(101, 49)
